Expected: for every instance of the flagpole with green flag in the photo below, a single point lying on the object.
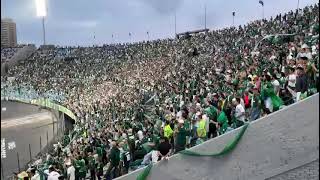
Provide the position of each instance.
(262, 4)
(233, 14)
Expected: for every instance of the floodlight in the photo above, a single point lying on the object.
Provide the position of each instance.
(41, 8)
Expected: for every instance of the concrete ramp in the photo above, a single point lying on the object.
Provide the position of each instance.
(283, 145)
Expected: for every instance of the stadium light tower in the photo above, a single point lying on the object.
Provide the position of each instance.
(42, 12)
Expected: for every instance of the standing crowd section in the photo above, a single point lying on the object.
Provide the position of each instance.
(141, 102)
(7, 53)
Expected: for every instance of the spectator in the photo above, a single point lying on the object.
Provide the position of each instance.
(53, 175)
(181, 136)
(114, 161)
(70, 171)
(301, 84)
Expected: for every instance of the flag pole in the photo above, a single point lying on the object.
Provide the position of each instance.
(94, 38)
(298, 4)
(233, 18)
(175, 23)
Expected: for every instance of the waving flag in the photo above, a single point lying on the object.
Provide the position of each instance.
(129, 34)
(261, 2)
(233, 13)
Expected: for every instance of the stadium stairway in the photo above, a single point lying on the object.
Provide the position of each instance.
(283, 145)
(21, 55)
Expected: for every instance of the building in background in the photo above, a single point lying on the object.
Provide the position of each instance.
(8, 33)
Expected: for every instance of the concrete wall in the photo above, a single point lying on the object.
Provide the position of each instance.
(308, 171)
(271, 146)
(45, 124)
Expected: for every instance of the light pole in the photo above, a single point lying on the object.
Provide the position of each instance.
(42, 12)
(44, 31)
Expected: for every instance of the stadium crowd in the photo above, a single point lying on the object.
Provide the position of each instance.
(7, 53)
(142, 102)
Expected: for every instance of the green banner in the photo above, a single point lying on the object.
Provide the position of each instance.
(227, 149)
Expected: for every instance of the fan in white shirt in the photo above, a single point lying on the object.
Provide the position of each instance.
(70, 171)
(292, 78)
(53, 175)
(240, 111)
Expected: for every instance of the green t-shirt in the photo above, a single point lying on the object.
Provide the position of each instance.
(223, 121)
(182, 136)
(115, 156)
(187, 125)
(81, 167)
(212, 112)
(99, 151)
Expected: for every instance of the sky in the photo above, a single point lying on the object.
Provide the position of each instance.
(88, 22)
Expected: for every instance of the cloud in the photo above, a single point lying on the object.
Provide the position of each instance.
(84, 24)
(164, 7)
